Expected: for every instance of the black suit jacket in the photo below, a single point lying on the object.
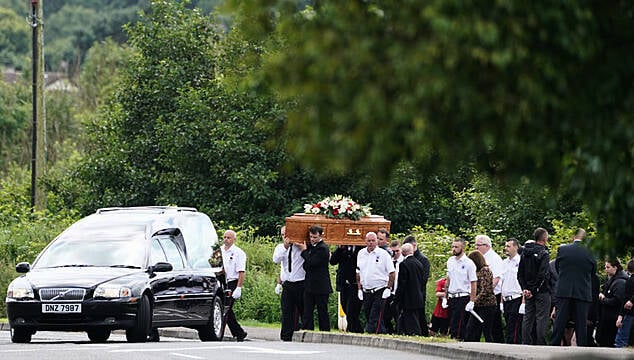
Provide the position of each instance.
(346, 258)
(317, 280)
(575, 266)
(409, 294)
(425, 262)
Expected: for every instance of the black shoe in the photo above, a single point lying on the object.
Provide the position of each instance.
(241, 338)
(154, 336)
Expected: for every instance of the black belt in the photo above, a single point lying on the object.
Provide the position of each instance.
(458, 295)
(293, 283)
(375, 290)
(512, 297)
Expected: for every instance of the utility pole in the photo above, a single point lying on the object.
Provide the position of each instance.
(38, 145)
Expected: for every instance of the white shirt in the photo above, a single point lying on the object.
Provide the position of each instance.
(496, 265)
(399, 259)
(280, 256)
(461, 272)
(374, 268)
(510, 284)
(234, 261)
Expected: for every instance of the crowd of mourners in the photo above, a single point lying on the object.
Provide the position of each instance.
(525, 298)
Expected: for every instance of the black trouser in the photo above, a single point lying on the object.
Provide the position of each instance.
(352, 307)
(498, 330)
(320, 301)
(422, 317)
(232, 322)
(440, 326)
(513, 320)
(577, 311)
(458, 318)
(536, 318)
(390, 315)
(292, 304)
(409, 322)
(374, 306)
(475, 328)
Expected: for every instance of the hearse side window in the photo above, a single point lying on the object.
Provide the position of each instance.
(156, 253)
(174, 256)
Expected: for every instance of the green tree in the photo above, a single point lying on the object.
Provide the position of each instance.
(14, 39)
(100, 73)
(535, 89)
(15, 118)
(173, 134)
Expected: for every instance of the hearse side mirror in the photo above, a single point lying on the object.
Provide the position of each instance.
(23, 267)
(159, 267)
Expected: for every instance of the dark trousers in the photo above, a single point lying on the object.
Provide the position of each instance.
(458, 318)
(475, 328)
(292, 305)
(374, 307)
(513, 321)
(498, 329)
(575, 310)
(536, 319)
(409, 322)
(320, 301)
(422, 318)
(390, 315)
(440, 326)
(232, 322)
(352, 307)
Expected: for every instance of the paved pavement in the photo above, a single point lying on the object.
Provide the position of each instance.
(451, 350)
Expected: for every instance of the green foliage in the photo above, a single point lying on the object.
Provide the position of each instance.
(14, 121)
(173, 134)
(515, 211)
(14, 39)
(521, 89)
(70, 29)
(100, 72)
(24, 233)
(16, 124)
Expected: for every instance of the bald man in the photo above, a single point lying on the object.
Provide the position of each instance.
(234, 261)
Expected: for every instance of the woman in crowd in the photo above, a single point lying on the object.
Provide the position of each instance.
(485, 302)
(626, 317)
(611, 299)
(439, 324)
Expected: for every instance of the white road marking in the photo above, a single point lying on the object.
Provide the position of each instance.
(187, 356)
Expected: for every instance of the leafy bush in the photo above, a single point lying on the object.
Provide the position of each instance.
(24, 233)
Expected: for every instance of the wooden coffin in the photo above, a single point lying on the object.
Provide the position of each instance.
(336, 231)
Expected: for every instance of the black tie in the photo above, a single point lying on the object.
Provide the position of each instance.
(290, 259)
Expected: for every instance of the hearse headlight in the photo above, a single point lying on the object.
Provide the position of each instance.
(20, 289)
(112, 291)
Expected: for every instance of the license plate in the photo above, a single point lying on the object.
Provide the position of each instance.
(61, 308)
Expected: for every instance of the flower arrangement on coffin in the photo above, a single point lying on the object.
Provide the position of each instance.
(338, 207)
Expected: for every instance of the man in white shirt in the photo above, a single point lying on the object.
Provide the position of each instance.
(494, 261)
(512, 293)
(292, 277)
(375, 279)
(234, 261)
(461, 288)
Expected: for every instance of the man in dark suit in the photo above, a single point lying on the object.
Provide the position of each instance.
(317, 285)
(409, 295)
(345, 256)
(575, 266)
(410, 239)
